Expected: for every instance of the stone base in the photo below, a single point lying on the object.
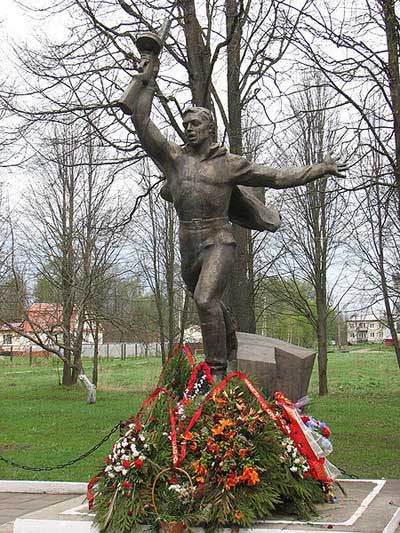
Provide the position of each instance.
(274, 365)
(369, 506)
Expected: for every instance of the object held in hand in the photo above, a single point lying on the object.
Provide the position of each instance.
(149, 44)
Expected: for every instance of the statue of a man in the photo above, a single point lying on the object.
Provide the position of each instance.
(201, 181)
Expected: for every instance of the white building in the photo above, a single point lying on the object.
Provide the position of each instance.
(365, 329)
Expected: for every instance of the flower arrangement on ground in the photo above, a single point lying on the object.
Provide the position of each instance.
(211, 456)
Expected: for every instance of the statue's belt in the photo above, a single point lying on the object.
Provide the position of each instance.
(203, 223)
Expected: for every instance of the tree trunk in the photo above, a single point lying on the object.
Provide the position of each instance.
(240, 290)
(322, 341)
(198, 55)
(95, 373)
(392, 39)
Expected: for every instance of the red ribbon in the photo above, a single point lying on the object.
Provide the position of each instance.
(150, 399)
(188, 355)
(89, 493)
(298, 436)
(206, 369)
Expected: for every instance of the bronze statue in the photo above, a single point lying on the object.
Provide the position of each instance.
(203, 181)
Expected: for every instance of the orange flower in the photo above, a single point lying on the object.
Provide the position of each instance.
(218, 399)
(238, 515)
(250, 476)
(212, 446)
(224, 423)
(200, 479)
(231, 481)
(227, 422)
(229, 453)
(243, 452)
(199, 468)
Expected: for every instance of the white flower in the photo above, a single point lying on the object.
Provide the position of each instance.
(118, 468)
(146, 446)
(124, 471)
(297, 461)
(111, 475)
(142, 457)
(293, 468)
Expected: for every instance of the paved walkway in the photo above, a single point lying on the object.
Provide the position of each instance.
(370, 506)
(13, 505)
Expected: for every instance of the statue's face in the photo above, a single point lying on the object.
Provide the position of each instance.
(197, 128)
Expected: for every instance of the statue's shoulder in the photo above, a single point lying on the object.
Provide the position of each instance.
(238, 165)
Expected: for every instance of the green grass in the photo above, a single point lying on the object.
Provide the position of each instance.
(44, 423)
(362, 410)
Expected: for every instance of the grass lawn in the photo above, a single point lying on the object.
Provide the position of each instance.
(44, 423)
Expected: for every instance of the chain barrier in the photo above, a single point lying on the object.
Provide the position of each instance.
(119, 425)
(348, 476)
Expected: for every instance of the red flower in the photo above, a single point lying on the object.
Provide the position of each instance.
(138, 463)
(172, 480)
(130, 513)
(107, 460)
(126, 463)
(138, 427)
(325, 432)
(126, 485)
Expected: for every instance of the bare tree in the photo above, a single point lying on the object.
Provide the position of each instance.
(376, 233)
(315, 219)
(84, 76)
(72, 236)
(156, 246)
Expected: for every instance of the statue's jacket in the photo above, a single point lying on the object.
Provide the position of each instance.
(219, 165)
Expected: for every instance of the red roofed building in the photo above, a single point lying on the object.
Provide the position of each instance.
(46, 318)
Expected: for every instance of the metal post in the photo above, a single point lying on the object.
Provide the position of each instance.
(30, 355)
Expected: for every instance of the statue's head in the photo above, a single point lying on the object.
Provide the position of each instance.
(198, 124)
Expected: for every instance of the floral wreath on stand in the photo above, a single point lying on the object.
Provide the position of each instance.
(217, 457)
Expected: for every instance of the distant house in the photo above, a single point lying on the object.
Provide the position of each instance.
(193, 339)
(11, 338)
(365, 329)
(44, 320)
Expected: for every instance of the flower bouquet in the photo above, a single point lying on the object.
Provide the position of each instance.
(209, 456)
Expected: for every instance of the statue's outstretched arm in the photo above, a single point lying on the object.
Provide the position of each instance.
(283, 178)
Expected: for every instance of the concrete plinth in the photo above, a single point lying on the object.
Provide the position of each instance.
(369, 506)
(274, 364)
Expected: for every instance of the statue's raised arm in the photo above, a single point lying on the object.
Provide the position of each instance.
(137, 100)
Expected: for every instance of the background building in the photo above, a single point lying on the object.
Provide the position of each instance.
(365, 329)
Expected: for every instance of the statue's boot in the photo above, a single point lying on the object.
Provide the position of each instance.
(214, 344)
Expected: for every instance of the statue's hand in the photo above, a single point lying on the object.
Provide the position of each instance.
(333, 166)
(148, 67)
